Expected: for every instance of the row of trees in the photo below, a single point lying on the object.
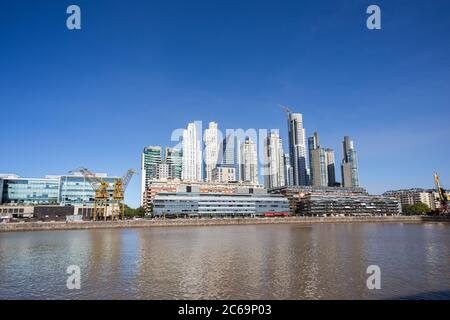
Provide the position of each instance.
(132, 213)
(416, 209)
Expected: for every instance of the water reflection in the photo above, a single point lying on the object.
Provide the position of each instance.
(234, 262)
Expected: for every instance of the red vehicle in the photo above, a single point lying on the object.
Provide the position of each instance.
(276, 214)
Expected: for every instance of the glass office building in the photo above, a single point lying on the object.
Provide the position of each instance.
(76, 190)
(66, 190)
(30, 191)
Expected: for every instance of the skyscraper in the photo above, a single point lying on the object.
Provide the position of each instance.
(192, 154)
(229, 156)
(155, 167)
(211, 150)
(274, 161)
(249, 162)
(288, 171)
(349, 166)
(174, 161)
(313, 143)
(297, 149)
(319, 164)
(150, 160)
(329, 153)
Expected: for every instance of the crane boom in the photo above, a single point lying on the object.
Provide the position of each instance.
(93, 180)
(127, 178)
(287, 110)
(443, 197)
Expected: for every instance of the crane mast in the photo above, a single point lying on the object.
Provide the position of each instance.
(102, 195)
(443, 197)
(120, 185)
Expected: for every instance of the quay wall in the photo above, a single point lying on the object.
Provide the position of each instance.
(46, 226)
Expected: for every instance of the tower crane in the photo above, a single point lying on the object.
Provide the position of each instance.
(102, 195)
(120, 185)
(443, 197)
(287, 110)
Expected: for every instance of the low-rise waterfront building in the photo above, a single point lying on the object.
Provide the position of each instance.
(244, 203)
(46, 212)
(295, 193)
(348, 205)
(156, 187)
(415, 196)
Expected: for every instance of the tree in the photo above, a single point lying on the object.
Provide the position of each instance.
(416, 209)
(131, 212)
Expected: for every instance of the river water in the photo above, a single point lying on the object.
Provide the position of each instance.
(320, 261)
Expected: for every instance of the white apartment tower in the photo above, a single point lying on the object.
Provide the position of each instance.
(211, 139)
(192, 154)
(274, 162)
(249, 162)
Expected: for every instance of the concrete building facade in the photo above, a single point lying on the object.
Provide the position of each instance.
(415, 196)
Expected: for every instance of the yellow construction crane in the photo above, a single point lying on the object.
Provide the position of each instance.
(443, 197)
(101, 193)
(120, 185)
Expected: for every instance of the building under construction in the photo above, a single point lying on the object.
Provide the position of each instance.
(329, 201)
(348, 205)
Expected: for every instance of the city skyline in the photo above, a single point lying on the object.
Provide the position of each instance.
(213, 150)
(154, 70)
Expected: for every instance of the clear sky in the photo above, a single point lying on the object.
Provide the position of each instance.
(137, 70)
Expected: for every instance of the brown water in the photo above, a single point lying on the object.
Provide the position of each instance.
(322, 261)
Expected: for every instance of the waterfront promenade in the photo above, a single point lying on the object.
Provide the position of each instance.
(144, 223)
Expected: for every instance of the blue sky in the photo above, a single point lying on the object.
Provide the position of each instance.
(137, 70)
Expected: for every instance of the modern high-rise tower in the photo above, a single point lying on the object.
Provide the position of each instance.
(297, 149)
(329, 153)
(274, 162)
(192, 154)
(174, 160)
(150, 160)
(229, 153)
(211, 139)
(249, 162)
(288, 172)
(318, 162)
(155, 167)
(349, 166)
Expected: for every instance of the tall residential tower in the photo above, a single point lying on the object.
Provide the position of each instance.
(349, 166)
(274, 161)
(297, 149)
(211, 138)
(249, 162)
(192, 154)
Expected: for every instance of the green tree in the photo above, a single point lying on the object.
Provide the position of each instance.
(131, 212)
(416, 209)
